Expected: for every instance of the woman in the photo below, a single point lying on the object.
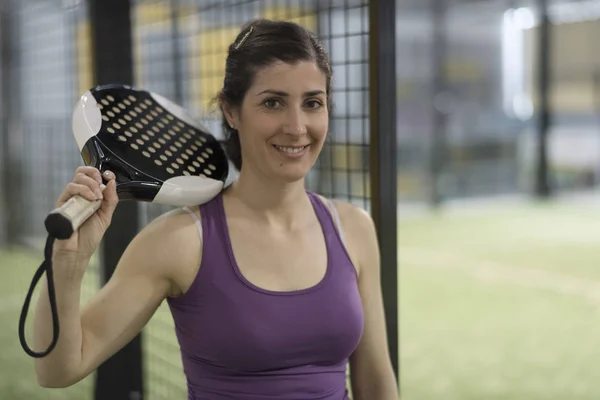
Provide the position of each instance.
(272, 288)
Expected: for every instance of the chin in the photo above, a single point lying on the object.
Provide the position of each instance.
(293, 176)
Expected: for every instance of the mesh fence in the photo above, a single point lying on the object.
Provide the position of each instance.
(179, 52)
(45, 69)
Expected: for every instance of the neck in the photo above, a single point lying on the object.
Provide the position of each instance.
(268, 200)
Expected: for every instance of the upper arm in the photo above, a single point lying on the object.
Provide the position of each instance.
(143, 278)
(370, 365)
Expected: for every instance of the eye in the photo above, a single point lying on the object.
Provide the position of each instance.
(271, 103)
(314, 104)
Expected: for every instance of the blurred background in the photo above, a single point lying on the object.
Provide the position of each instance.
(468, 128)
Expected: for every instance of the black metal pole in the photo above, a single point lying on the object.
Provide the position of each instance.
(383, 149)
(10, 130)
(121, 376)
(542, 181)
(438, 139)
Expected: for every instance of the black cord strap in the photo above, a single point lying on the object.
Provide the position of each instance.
(45, 267)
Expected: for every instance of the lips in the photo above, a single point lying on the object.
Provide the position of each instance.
(291, 149)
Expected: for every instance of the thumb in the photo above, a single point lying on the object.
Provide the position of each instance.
(111, 199)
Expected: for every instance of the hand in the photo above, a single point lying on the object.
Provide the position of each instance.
(87, 183)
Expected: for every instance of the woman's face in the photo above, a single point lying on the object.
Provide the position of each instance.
(283, 120)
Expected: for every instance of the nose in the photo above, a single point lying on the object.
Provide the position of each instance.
(295, 122)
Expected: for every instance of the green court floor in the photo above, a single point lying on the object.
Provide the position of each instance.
(497, 302)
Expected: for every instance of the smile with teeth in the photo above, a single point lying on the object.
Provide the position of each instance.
(290, 149)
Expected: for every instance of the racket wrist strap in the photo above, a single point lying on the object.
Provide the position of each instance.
(46, 266)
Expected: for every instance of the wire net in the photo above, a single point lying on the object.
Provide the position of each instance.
(179, 52)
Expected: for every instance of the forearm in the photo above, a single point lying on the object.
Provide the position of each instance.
(60, 367)
(376, 388)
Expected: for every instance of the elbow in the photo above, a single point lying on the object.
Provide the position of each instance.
(53, 379)
(48, 383)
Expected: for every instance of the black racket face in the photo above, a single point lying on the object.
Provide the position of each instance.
(136, 128)
(156, 150)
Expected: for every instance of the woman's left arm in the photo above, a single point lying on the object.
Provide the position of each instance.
(371, 373)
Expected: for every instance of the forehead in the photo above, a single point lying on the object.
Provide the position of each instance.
(300, 77)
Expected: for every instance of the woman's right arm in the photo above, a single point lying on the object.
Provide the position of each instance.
(143, 278)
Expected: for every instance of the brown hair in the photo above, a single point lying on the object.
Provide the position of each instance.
(260, 43)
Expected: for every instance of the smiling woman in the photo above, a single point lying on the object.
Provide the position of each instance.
(273, 289)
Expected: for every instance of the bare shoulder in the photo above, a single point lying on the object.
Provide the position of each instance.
(358, 230)
(354, 219)
(168, 248)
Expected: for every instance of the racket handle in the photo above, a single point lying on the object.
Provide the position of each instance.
(63, 221)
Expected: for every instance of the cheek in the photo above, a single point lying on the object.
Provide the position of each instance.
(320, 129)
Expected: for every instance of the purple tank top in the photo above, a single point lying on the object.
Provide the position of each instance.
(241, 342)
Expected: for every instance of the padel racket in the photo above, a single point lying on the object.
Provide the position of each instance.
(158, 153)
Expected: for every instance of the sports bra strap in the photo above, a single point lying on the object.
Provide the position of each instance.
(196, 219)
(336, 218)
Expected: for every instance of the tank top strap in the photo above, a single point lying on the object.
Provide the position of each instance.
(326, 216)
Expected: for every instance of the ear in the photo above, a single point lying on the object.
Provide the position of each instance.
(231, 115)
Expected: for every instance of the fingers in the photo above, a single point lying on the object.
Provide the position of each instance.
(89, 171)
(88, 184)
(110, 194)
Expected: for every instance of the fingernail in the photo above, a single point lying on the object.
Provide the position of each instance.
(98, 193)
(109, 175)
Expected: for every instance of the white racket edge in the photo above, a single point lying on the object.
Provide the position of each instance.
(179, 191)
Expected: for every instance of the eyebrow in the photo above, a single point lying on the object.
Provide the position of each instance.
(284, 94)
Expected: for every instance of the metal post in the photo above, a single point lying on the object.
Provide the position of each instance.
(121, 376)
(542, 184)
(9, 131)
(438, 139)
(383, 149)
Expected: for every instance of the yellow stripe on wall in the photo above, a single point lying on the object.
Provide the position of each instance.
(210, 53)
(85, 66)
